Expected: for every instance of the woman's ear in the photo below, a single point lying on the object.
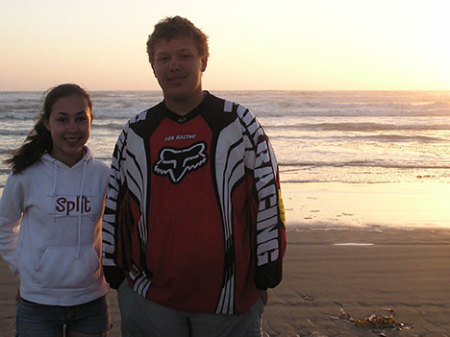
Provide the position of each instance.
(46, 124)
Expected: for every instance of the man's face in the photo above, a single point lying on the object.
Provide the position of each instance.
(178, 68)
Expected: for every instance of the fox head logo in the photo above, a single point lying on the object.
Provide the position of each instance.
(176, 163)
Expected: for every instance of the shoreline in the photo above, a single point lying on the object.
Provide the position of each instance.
(421, 204)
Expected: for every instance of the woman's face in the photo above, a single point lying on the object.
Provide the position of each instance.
(70, 126)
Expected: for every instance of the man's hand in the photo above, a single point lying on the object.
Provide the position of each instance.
(264, 296)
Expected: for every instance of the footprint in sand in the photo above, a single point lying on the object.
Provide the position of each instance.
(306, 298)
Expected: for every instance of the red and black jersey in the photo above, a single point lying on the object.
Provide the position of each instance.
(194, 216)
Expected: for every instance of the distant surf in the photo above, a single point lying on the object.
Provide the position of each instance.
(348, 136)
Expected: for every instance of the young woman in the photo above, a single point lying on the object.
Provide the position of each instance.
(50, 222)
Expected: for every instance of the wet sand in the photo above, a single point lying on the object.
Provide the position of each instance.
(373, 269)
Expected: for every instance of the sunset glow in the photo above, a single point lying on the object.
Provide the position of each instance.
(268, 45)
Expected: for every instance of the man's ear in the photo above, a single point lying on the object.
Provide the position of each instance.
(204, 63)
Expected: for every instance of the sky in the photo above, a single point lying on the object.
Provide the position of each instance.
(254, 44)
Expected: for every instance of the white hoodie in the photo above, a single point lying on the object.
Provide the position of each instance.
(50, 230)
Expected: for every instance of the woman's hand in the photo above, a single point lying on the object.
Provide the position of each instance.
(18, 295)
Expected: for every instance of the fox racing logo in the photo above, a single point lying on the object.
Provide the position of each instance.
(175, 163)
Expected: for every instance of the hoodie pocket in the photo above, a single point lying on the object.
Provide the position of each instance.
(61, 268)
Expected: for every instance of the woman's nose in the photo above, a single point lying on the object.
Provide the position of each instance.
(73, 125)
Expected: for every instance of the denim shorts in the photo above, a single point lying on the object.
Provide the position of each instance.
(39, 320)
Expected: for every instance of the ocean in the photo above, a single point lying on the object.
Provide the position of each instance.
(349, 137)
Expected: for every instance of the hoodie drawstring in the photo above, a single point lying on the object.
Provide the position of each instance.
(79, 213)
(54, 178)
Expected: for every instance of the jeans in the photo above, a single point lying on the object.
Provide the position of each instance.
(39, 320)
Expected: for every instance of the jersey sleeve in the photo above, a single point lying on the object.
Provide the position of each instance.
(113, 272)
(124, 224)
(269, 219)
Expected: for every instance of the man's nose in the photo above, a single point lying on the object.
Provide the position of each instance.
(174, 64)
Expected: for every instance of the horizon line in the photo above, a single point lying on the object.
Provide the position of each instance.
(245, 90)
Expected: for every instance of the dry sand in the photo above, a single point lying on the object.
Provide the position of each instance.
(405, 270)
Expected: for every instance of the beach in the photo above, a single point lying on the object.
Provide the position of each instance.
(406, 270)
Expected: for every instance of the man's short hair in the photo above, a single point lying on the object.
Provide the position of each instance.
(173, 27)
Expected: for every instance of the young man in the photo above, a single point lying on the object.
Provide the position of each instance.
(194, 219)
